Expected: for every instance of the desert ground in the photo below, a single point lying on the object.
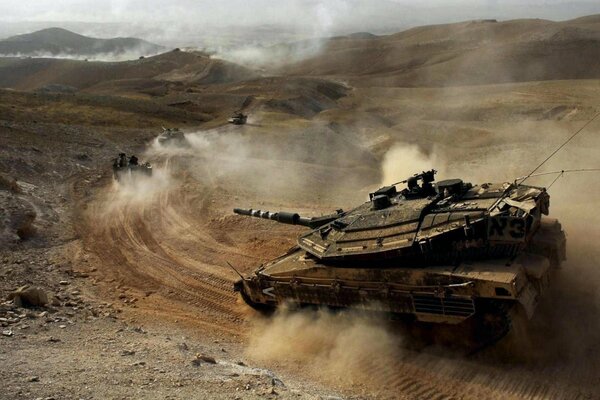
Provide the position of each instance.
(141, 300)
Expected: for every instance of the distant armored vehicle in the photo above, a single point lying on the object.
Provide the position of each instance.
(238, 118)
(447, 253)
(123, 166)
(172, 136)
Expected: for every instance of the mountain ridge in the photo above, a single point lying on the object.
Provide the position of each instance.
(58, 41)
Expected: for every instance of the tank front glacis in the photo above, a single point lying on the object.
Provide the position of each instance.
(446, 253)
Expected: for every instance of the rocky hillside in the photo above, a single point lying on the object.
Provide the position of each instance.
(150, 75)
(473, 52)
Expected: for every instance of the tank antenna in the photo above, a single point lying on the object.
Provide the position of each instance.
(559, 173)
(560, 147)
(233, 268)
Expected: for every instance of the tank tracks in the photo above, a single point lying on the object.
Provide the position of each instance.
(490, 324)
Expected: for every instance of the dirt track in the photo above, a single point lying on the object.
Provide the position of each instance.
(140, 248)
(167, 250)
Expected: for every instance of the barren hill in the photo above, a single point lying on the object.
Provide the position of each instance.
(58, 41)
(473, 52)
(466, 53)
(151, 75)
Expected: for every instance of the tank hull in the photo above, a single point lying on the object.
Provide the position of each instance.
(442, 294)
(127, 171)
(470, 293)
(238, 120)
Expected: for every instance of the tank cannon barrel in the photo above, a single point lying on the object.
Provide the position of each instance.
(288, 217)
(283, 217)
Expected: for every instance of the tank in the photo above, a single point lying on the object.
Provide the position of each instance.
(172, 136)
(238, 118)
(127, 166)
(435, 253)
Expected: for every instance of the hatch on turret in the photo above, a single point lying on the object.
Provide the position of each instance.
(449, 187)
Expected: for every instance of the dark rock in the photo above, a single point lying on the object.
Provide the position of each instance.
(28, 296)
(82, 157)
(183, 346)
(277, 382)
(9, 183)
(24, 224)
(200, 358)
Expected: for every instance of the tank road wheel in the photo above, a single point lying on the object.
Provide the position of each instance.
(519, 344)
(490, 324)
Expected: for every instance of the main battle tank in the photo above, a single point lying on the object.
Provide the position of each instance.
(123, 166)
(448, 253)
(238, 118)
(172, 136)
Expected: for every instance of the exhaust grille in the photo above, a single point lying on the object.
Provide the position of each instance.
(452, 306)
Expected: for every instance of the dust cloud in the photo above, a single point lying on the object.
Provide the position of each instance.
(309, 166)
(566, 326)
(404, 160)
(137, 190)
(568, 322)
(126, 55)
(275, 56)
(344, 347)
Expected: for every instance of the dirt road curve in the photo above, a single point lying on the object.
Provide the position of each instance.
(141, 248)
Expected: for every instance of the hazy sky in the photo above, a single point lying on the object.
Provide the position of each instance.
(167, 20)
(267, 11)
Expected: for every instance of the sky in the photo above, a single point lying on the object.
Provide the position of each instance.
(168, 21)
